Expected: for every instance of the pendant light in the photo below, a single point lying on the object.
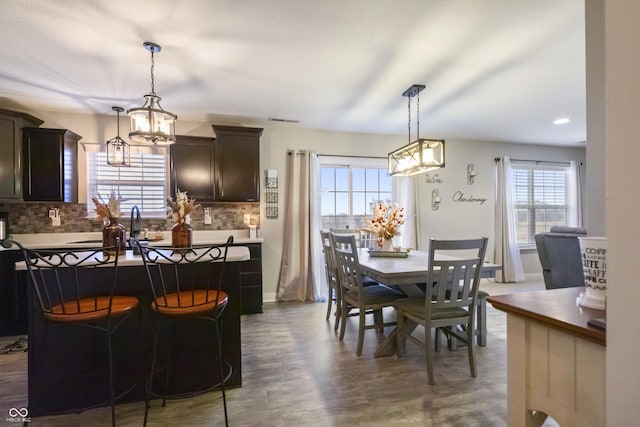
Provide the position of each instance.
(118, 151)
(150, 124)
(421, 155)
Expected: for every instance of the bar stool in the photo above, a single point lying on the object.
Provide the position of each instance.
(187, 285)
(68, 288)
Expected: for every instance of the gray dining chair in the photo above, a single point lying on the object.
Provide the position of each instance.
(449, 302)
(367, 299)
(332, 278)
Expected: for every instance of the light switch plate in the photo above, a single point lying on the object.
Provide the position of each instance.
(207, 216)
(55, 221)
(247, 218)
(52, 213)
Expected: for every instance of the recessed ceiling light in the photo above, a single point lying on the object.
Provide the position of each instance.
(561, 121)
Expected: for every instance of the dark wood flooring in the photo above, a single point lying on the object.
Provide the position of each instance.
(297, 373)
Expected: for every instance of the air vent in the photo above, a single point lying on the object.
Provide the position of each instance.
(276, 119)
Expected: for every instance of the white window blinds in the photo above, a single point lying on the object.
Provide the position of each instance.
(144, 183)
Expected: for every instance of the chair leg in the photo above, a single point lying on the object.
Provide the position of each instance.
(344, 314)
(378, 320)
(438, 335)
(149, 385)
(339, 317)
(221, 373)
(361, 325)
(481, 321)
(428, 354)
(111, 386)
(470, 350)
(329, 303)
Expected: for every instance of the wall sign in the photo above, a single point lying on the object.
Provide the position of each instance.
(460, 197)
(435, 179)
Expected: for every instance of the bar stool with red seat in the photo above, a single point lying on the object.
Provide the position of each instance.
(187, 286)
(77, 288)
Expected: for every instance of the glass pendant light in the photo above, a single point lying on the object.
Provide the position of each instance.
(118, 151)
(150, 124)
(421, 155)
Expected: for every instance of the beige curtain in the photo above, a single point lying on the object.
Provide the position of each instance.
(301, 269)
(507, 252)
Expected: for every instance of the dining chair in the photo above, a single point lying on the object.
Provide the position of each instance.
(367, 299)
(449, 302)
(77, 289)
(332, 278)
(186, 286)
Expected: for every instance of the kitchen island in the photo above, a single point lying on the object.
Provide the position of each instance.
(67, 366)
(555, 359)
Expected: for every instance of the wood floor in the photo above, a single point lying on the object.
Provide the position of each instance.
(297, 373)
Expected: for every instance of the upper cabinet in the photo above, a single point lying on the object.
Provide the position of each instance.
(237, 163)
(11, 124)
(224, 169)
(49, 165)
(192, 160)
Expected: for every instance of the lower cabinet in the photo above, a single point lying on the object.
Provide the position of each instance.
(13, 296)
(251, 280)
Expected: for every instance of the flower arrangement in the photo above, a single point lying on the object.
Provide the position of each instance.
(181, 208)
(109, 209)
(386, 221)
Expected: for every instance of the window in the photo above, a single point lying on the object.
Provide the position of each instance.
(540, 199)
(348, 190)
(144, 183)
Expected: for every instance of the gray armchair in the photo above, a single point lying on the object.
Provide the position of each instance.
(559, 253)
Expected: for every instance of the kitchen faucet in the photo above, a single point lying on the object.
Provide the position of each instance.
(136, 224)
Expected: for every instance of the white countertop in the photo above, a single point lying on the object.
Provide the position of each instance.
(234, 254)
(79, 240)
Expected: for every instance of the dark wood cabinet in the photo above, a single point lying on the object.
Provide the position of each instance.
(192, 167)
(13, 296)
(237, 163)
(221, 169)
(251, 280)
(50, 165)
(11, 124)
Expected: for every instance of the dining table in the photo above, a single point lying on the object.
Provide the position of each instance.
(407, 270)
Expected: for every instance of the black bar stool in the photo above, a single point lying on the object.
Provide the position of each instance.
(68, 286)
(187, 287)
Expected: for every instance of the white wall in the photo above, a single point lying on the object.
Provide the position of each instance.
(451, 220)
(622, 123)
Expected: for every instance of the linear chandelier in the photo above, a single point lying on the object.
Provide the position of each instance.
(150, 124)
(421, 155)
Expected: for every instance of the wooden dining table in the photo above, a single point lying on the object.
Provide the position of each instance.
(406, 272)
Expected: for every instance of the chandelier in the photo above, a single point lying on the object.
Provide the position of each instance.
(421, 155)
(150, 124)
(118, 151)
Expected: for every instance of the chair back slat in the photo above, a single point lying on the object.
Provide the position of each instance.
(178, 277)
(346, 256)
(454, 282)
(68, 282)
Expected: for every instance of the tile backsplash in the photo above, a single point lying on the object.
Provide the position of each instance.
(33, 218)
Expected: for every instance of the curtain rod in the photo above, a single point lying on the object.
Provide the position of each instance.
(337, 155)
(497, 159)
(357, 157)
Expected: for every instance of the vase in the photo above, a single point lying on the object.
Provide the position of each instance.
(181, 234)
(114, 233)
(387, 245)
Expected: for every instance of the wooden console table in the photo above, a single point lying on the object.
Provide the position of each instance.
(555, 361)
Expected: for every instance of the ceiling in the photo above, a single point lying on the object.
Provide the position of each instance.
(499, 70)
